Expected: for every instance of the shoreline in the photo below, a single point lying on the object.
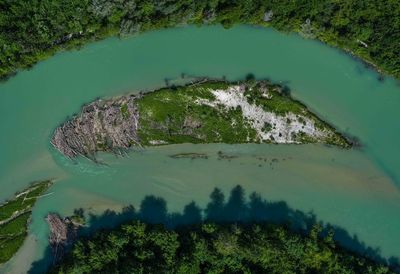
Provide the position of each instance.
(82, 41)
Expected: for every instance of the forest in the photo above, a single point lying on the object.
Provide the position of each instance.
(235, 235)
(138, 247)
(34, 30)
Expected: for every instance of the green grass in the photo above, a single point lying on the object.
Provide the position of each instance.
(172, 115)
(12, 236)
(8, 209)
(279, 103)
(14, 226)
(23, 202)
(38, 190)
(166, 113)
(13, 233)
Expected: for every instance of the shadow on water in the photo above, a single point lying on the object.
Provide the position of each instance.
(237, 208)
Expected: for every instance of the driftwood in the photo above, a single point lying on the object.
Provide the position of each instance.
(104, 125)
(62, 234)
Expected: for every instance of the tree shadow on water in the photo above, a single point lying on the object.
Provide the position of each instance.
(237, 209)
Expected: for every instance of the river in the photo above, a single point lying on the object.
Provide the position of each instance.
(356, 189)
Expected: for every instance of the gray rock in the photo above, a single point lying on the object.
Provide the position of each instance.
(268, 16)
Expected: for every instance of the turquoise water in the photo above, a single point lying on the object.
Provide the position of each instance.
(356, 189)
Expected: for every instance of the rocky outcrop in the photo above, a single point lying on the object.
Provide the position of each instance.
(104, 125)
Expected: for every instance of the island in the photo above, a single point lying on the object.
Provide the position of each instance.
(14, 218)
(207, 111)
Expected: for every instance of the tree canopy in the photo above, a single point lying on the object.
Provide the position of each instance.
(33, 30)
(211, 248)
(235, 235)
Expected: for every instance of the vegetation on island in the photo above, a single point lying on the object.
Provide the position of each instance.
(14, 217)
(193, 114)
(34, 30)
(138, 247)
(173, 116)
(206, 111)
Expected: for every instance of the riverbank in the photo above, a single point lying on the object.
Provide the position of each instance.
(202, 112)
(14, 218)
(369, 31)
(360, 197)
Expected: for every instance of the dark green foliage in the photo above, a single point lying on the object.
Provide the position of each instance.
(33, 30)
(211, 248)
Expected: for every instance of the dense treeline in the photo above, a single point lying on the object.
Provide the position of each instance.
(32, 30)
(210, 248)
(233, 235)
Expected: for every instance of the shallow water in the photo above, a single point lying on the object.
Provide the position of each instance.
(355, 189)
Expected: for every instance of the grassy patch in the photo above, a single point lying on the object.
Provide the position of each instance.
(272, 98)
(13, 231)
(24, 201)
(8, 209)
(174, 116)
(190, 114)
(12, 235)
